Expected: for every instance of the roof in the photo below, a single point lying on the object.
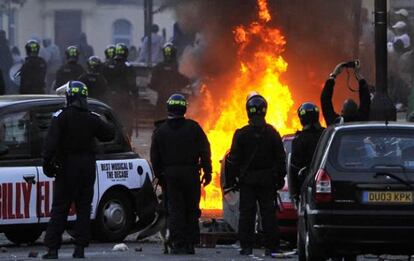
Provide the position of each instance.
(8, 100)
(373, 124)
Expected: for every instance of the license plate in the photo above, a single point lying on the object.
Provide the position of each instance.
(387, 197)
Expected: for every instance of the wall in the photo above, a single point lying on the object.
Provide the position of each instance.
(36, 18)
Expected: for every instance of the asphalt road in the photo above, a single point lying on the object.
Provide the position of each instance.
(148, 251)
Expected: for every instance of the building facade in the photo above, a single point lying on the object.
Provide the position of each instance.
(103, 21)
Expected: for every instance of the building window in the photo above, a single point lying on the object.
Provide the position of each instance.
(122, 32)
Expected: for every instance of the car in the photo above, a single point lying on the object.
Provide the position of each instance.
(357, 197)
(286, 212)
(121, 195)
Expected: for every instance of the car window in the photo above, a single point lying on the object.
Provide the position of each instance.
(369, 150)
(117, 145)
(320, 149)
(15, 135)
(42, 120)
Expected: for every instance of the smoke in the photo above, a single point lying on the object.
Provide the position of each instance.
(213, 54)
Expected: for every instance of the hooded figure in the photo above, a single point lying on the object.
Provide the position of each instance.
(350, 111)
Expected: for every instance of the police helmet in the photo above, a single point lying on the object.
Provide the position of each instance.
(72, 53)
(110, 52)
(32, 48)
(77, 94)
(308, 114)
(121, 51)
(256, 105)
(94, 64)
(169, 52)
(176, 106)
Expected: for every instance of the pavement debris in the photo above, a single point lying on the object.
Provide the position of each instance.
(120, 247)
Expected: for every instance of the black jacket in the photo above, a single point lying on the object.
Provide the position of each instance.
(269, 154)
(167, 79)
(70, 71)
(180, 143)
(73, 130)
(331, 117)
(33, 74)
(96, 83)
(121, 77)
(303, 147)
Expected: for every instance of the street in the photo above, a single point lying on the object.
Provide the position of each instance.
(143, 251)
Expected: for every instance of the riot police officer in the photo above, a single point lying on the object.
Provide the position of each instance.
(71, 70)
(33, 71)
(304, 145)
(93, 78)
(179, 149)
(123, 91)
(350, 109)
(70, 144)
(257, 158)
(166, 78)
(108, 65)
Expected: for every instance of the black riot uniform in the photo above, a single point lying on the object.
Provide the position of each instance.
(166, 79)
(350, 110)
(94, 79)
(70, 144)
(122, 89)
(257, 158)
(304, 145)
(71, 70)
(33, 71)
(179, 149)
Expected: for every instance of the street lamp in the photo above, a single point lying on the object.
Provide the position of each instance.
(382, 107)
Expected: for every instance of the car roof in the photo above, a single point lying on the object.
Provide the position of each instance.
(10, 100)
(373, 124)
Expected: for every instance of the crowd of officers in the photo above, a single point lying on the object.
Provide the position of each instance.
(180, 152)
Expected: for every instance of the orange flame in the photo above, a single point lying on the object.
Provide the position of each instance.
(259, 51)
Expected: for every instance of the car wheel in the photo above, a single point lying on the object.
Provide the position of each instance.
(311, 250)
(23, 236)
(114, 218)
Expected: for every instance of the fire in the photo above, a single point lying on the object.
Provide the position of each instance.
(259, 51)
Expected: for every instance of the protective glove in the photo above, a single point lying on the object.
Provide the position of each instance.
(51, 168)
(206, 179)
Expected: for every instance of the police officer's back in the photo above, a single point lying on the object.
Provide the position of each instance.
(179, 149)
(93, 78)
(166, 79)
(71, 70)
(304, 145)
(257, 158)
(33, 71)
(71, 143)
